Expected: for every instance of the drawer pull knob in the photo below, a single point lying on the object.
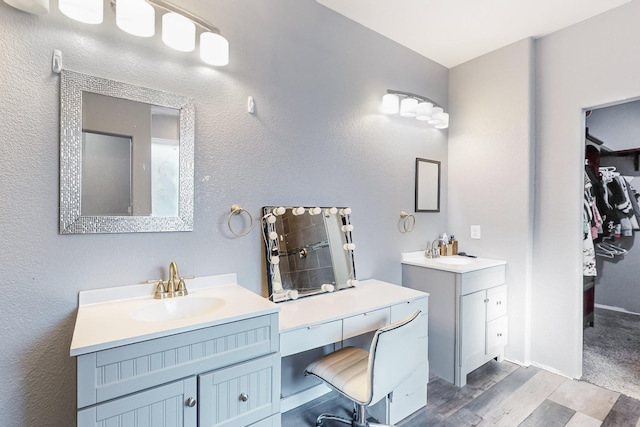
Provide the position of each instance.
(191, 402)
(244, 397)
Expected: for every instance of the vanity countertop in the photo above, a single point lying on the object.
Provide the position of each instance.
(454, 264)
(104, 318)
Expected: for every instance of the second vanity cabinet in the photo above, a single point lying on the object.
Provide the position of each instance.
(351, 317)
(467, 316)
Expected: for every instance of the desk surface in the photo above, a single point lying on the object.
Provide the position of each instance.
(368, 295)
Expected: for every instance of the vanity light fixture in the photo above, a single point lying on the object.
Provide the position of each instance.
(85, 11)
(180, 34)
(418, 106)
(137, 17)
(37, 7)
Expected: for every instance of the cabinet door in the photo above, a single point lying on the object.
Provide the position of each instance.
(241, 394)
(472, 327)
(164, 405)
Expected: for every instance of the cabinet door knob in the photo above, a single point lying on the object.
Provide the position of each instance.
(191, 402)
(243, 397)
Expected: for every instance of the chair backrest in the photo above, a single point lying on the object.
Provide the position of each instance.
(395, 354)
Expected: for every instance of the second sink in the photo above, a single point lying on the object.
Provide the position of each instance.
(455, 260)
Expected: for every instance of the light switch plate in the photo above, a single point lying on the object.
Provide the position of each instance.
(476, 232)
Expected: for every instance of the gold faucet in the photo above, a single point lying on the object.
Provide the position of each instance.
(176, 283)
(174, 287)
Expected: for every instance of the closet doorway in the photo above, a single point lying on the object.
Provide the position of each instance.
(611, 216)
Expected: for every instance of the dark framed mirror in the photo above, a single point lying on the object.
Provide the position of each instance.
(427, 185)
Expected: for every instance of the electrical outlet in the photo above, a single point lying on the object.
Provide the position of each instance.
(476, 232)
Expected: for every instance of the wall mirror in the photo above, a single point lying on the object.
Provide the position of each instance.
(126, 157)
(309, 250)
(427, 185)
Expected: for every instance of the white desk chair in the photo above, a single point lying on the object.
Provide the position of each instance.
(367, 377)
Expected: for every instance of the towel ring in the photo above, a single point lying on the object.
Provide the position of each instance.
(237, 210)
(408, 221)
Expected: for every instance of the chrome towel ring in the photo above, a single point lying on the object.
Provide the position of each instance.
(237, 210)
(407, 222)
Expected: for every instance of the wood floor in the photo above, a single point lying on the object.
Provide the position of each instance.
(500, 394)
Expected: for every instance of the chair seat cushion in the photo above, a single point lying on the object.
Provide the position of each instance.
(346, 371)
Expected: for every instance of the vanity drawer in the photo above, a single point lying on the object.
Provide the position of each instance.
(309, 337)
(365, 322)
(402, 310)
(496, 302)
(482, 279)
(497, 333)
(241, 394)
(107, 374)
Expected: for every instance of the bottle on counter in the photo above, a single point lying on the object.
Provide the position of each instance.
(453, 244)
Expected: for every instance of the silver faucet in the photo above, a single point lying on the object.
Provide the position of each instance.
(434, 251)
(174, 287)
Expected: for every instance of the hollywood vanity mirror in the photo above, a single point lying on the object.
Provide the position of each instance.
(126, 157)
(309, 250)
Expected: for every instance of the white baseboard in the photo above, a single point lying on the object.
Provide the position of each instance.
(620, 309)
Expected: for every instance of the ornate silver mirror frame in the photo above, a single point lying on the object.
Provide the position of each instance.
(72, 86)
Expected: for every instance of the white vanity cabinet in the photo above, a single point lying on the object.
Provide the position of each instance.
(217, 367)
(483, 327)
(225, 375)
(468, 314)
(349, 317)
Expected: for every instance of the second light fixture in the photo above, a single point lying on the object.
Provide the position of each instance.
(411, 105)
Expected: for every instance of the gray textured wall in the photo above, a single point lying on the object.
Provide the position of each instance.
(491, 170)
(317, 139)
(587, 65)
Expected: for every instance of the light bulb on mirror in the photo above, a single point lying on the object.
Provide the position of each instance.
(347, 227)
(291, 294)
(331, 211)
(273, 235)
(280, 210)
(298, 211)
(270, 218)
(314, 211)
(345, 211)
(274, 260)
(352, 282)
(349, 246)
(327, 287)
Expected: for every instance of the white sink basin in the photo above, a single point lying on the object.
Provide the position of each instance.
(455, 260)
(176, 308)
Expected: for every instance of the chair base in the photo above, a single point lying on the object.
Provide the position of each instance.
(359, 419)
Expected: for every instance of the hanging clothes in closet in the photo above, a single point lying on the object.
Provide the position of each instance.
(611, 210)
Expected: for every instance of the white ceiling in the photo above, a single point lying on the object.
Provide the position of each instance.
(451, 32)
